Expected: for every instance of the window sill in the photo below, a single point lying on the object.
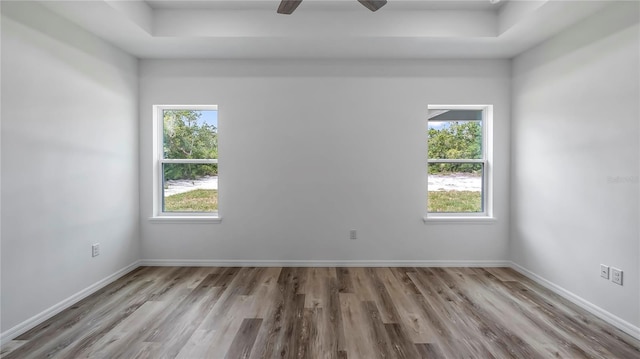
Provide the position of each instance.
(459, 220)
(184, 219)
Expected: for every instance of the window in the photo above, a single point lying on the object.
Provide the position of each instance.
(186, 161)
(458, 161)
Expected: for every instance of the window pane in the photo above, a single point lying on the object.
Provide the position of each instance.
(190, 187)
(189, 134)
(455, 134)
(455, 187)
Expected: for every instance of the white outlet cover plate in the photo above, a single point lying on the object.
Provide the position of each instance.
(616, 275)
(604, 271)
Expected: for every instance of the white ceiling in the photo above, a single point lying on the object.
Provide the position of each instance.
(324, 29)
(337, 5)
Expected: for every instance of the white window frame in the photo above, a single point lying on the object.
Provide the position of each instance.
(158, 160)
(486, 216)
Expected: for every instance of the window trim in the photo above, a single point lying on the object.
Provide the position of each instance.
(486, 216)
(176, 217)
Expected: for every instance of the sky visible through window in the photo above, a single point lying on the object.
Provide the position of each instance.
(209, 117)
(438, 125)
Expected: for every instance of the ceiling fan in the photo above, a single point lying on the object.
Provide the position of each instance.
(288, 6)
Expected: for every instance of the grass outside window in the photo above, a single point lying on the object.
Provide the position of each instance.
(199, 200)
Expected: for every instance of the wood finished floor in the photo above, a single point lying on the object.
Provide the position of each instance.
(189, 312)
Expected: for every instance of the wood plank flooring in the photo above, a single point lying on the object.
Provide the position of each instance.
(342, 313)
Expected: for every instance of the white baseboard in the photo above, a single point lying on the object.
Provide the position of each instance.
(612, 319)
(30, 323)
(319, 263)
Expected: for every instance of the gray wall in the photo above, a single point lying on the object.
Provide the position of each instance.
(310, 150)
(576, 159)
(69, 160)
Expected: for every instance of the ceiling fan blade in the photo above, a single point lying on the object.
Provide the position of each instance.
(288, 6)
(373, 5)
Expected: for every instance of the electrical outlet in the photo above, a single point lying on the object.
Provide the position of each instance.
(604, 271)
(616, 275)
(95, 249)
(353, 234)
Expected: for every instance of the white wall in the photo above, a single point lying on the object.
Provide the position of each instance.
(69, 160)
(576, 158)
(309, 150)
